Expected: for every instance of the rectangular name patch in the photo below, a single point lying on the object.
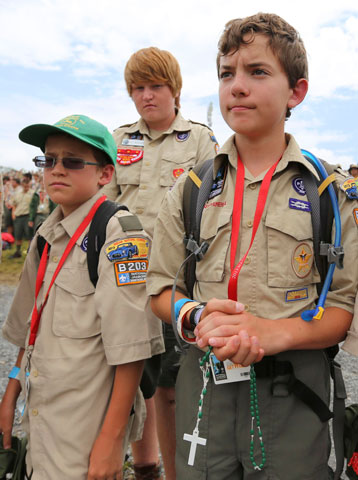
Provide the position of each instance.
(131, 272)
(297, 204)
(294, 295)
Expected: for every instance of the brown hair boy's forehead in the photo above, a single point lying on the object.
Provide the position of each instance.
(283, 40)
(152, 65)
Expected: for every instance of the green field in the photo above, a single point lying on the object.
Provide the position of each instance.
(10, 268)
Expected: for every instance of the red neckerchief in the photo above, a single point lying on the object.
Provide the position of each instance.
(36, 314)
(236, 219)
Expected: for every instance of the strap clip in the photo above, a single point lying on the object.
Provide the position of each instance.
(193, 247)
(334, 254)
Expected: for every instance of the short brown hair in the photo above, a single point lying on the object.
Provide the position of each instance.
(284, 41)
(152, 65)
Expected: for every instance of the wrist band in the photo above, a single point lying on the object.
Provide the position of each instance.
(195, 314)
(185, 334)
(14, 373)
(178, 305)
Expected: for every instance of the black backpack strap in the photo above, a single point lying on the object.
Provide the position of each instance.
(97, 235)
(196, 192)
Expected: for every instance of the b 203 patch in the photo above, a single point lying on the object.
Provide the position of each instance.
(131, 272)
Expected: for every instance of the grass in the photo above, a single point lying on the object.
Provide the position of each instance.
(10, 268)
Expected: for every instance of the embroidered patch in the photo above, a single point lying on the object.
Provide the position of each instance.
(212, 137)
(349, 187)
(182, 136)
(84, 244)
(177, 172)
(299, 186)
(127, 248)
(297, 204)
(302, 260)
(131, 272)
(217, 148)
(127, 156)
(134, 142)
(295, 295)
(355, 215)
(215, 204)
(218, 184)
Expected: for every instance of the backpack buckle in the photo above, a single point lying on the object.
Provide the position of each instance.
(334, 254)
(193, 247)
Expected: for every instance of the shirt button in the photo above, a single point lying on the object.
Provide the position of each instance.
(35, 373)
(35, 412)
(247, 261)
(147, 164)
(247, 308)
(250, 223)
(55, 259)
(139, 210)
(143, 187)
(252, 186)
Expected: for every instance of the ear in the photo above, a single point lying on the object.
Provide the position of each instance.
(298, 93)
(106, 174)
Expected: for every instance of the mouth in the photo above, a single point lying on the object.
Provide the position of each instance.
(240, 108)
(58, 184)
(149, 105)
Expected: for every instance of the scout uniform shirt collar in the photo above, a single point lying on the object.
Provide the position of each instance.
(179, 125)
(70, 223)
(291, 154)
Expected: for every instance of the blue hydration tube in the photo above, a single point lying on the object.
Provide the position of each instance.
(317, 313)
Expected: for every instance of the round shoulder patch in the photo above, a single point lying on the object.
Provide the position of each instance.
(299, 186)
(182, 136)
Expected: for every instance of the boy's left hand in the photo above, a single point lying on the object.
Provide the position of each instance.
(106, 461)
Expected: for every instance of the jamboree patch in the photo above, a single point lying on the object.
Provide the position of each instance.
(127, 156)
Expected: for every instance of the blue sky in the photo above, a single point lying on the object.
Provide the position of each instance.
(59, 58)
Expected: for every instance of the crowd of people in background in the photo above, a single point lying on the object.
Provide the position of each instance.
(24, 206)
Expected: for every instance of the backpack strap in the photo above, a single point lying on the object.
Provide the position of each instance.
(196, 192)
(97, 235)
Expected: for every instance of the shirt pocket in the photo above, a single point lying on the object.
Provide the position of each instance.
(175, 164)
(130, 174)
(290, 254)
(74, 309)
(216, 230)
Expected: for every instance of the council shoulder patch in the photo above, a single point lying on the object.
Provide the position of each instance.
(302, 260)
(349, 187)
(355, 215)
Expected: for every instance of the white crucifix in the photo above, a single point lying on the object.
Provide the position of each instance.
(194, 440)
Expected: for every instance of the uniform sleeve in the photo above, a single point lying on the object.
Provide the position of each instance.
(16, 324)
(345, 281)
(207, 145)
(168, 251)
(128, 333)
(351, 343)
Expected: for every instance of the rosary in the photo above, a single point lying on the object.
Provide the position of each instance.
(254, 410)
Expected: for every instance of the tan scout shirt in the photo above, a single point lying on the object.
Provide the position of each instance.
(84, 333)
(158, 161)
(21, 202)
(278, 278)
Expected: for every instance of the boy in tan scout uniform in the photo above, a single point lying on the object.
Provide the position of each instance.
(152, 154)
(20, 215)
(83, 364)
(247, 428)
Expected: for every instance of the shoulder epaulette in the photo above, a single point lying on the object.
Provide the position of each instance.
(124, 126)
(199, 123)
(129, 222)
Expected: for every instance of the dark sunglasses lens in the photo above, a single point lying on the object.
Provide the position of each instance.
(43, 162)
(73, 163)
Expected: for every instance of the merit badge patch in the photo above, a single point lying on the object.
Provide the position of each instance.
(349, 187)
(177, 172)
(302, 260)
(355, 215)
(218, 184)
(84, 244)
(297, 204)
(182, 136)
(127, 156)
(127, 248)
(295, 295)
(299, 186)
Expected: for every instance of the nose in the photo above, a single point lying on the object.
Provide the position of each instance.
(58, 168)
(239, 85)
(147, 93)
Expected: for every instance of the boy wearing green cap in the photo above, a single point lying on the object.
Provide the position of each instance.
(81, 358)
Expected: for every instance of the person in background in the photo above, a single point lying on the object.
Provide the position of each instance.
(20, 215)
(152, 154)
(353, 170)
(41, 206)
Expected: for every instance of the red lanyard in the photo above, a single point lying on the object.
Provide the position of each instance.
(236, 220)
(36, 314)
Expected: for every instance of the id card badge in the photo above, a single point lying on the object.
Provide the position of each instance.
(227, 371)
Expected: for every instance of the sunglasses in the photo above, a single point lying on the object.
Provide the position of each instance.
(70, 163)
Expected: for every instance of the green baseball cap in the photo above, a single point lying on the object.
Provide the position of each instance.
(79, 126)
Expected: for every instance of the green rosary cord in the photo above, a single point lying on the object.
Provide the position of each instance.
(254, 408)
(255, 416)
